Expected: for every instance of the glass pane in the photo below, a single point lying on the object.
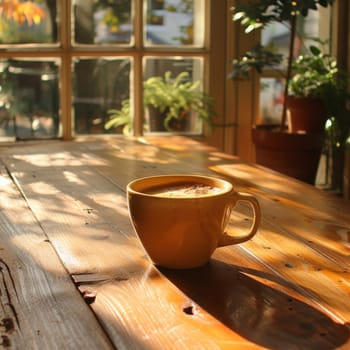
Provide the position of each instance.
(271, 99)
(175, 22)
(192, 71)
(25, 22)
(277, 36)
(29, 99)
(102, 22)
(100, 85)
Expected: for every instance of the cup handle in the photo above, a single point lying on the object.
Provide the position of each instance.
(227, 239)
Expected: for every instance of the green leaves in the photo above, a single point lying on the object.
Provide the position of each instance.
(317, 74)
(120, 117)
(258, 58)
(174, 96)
(256, 14)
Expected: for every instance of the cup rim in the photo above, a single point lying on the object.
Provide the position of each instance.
(225, 185)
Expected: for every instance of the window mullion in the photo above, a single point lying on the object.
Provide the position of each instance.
(65, 87)
(137, 76)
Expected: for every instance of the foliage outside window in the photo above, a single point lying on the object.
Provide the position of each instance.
(99, 49)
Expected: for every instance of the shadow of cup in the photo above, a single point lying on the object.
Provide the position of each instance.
(259, 313)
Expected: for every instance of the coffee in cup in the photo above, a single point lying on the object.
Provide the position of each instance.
(183, 190)
(181, 219)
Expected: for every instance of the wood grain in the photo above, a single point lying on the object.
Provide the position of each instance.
(288, 288)
(40, 307)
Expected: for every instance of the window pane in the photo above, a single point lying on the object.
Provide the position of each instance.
(271, 99)
(25, 22)
(29, 98)
(174, 22)
(102, 22)
(277, 36)
(157, 67)
(99, 85)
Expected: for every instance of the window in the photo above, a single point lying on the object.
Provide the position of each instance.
(65, 65)
(277, 35)
(29, 98)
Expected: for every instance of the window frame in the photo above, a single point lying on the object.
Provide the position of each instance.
(66, 52)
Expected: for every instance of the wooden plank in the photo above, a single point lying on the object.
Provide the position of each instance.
(40, 307)
(146, 311)
(258, 305)
(311, 214)
(66, 181)
(85, 218)
(78, 195)
(92, 206)
(293, 212)
(223, 305)
(303, 220)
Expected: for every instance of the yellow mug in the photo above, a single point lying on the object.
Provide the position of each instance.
(181, 219)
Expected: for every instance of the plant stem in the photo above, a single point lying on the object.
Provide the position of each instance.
(293, 22)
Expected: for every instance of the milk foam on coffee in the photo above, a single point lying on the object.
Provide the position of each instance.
(184, 190)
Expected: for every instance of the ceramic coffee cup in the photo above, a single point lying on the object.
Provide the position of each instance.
(180, 219)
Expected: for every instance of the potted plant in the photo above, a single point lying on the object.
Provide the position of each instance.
(321, 83)
(120, 118)
(169, 103)
(317, 88)
(318, 76)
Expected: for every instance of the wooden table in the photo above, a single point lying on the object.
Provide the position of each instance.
(74, 276)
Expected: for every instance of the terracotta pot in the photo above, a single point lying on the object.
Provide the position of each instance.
(156, 121)
(293, 154)
(306, 114)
